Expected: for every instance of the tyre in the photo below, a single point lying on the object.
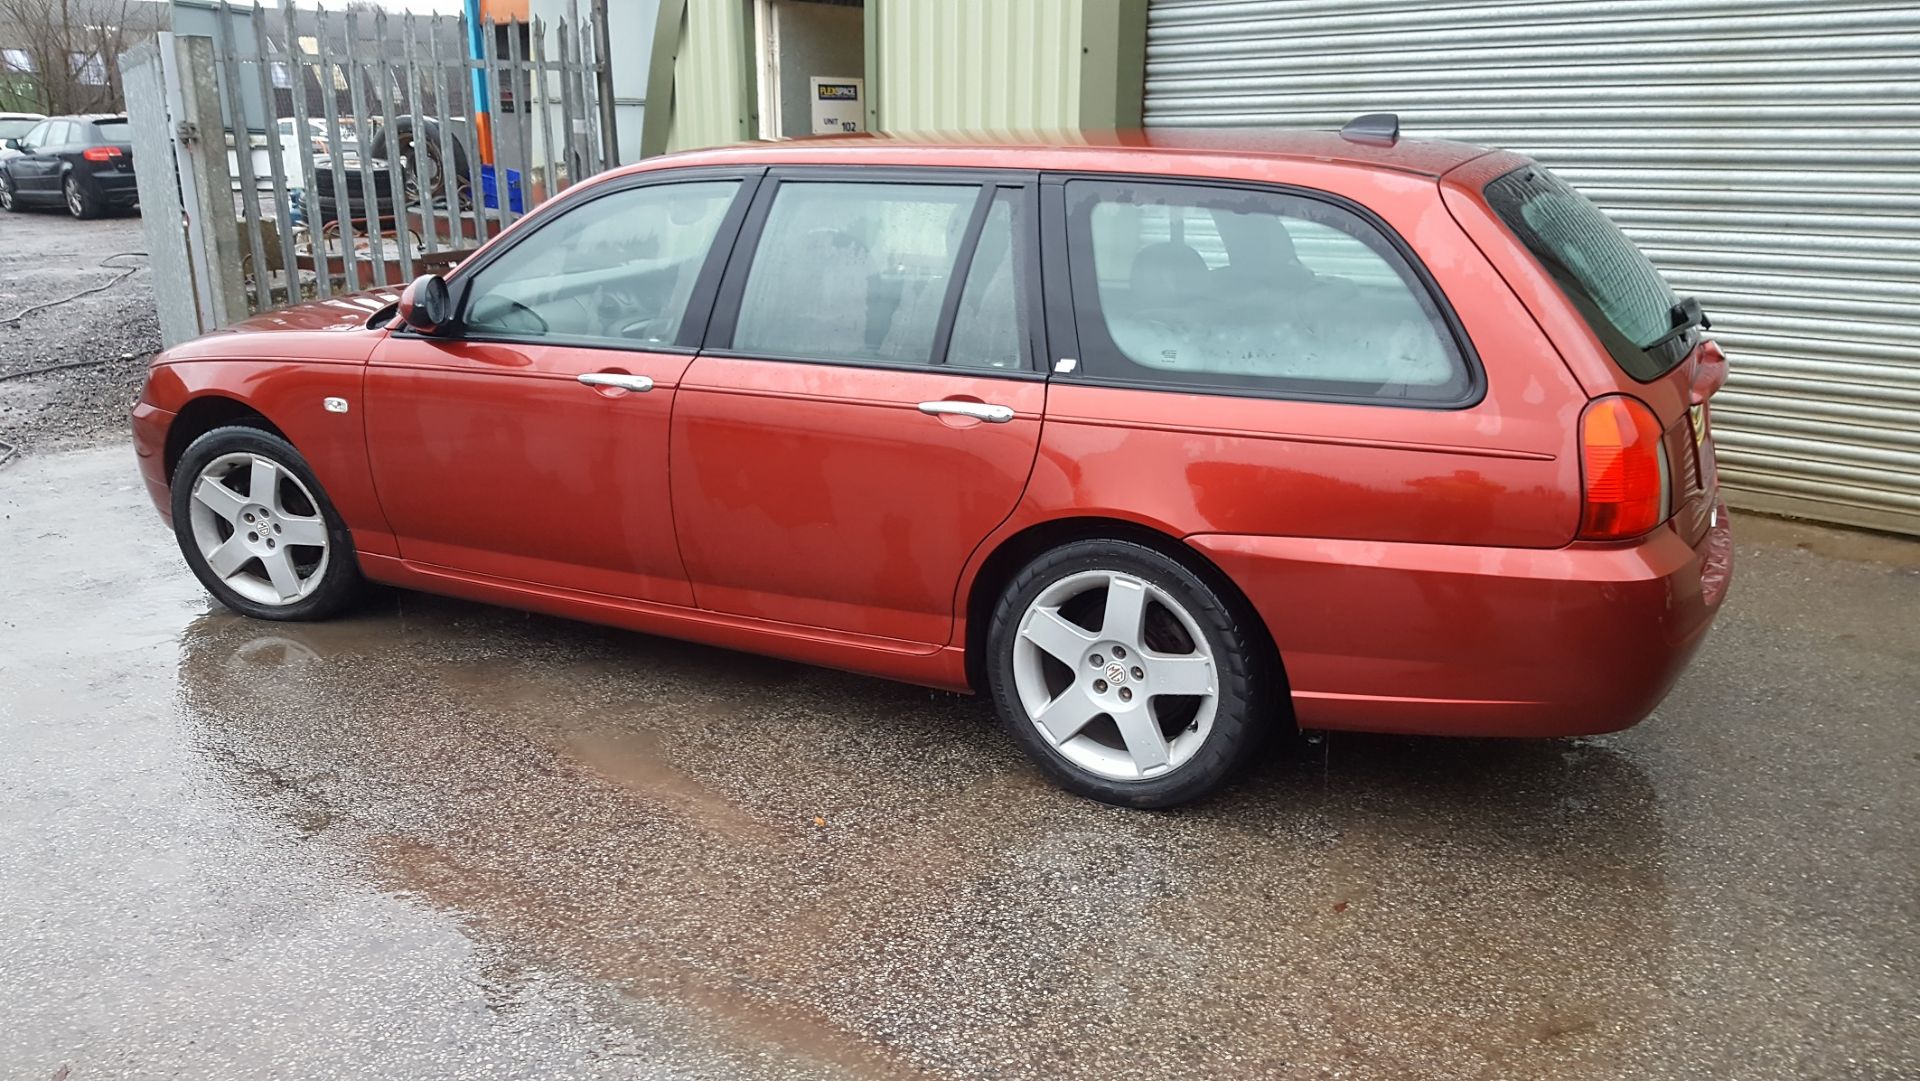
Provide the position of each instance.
(1124, 675)
(328, 206)
(258, 530)
(426, 177)
(9, 201)
(81, 202)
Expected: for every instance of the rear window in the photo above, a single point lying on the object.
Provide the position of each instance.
(114, 131)
(1617, 290)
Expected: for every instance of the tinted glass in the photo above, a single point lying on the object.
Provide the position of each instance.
(14, 129)
(856, 272)
(1618, 291)
(618, 269)
(113, 131)
(986, 327)
(1251, 290)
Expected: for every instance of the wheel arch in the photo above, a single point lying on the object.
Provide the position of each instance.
(202, 415)
(1021, 548)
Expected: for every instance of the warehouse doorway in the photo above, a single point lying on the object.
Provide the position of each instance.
(811, 59)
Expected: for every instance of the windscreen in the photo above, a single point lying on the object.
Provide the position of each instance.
(1619, 292)
(14, 129)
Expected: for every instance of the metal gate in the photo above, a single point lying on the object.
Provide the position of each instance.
(1765, 153)
(287, 153)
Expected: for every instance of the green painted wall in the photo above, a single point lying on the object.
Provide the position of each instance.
(932, 65)
(713, 99)
(977, 64)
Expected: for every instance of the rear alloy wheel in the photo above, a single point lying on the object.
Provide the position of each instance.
(258, 531)
(1123, 674)
(80, 202)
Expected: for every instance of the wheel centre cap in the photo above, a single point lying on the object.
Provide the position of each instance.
(1116, 673)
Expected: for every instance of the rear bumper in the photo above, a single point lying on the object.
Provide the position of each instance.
(115, 186)
(149, 449)
(1466, 641)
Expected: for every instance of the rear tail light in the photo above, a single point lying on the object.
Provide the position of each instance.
(1623, 468)
(100, 153)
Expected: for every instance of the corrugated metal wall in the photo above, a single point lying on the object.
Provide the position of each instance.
(1766, 153)
(993, 64)
(711, 106)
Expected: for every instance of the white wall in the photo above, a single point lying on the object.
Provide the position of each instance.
(630, 33)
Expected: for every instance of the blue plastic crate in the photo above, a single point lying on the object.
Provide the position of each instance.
(490, 190)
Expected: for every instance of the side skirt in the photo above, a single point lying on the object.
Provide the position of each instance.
(929, 665)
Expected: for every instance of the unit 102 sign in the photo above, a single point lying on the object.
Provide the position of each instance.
(839, 105)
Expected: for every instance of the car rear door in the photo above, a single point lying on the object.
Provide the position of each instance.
(530, 442)
(868, 405)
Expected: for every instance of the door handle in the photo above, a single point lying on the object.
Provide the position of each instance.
(992, 414)
(636, 383)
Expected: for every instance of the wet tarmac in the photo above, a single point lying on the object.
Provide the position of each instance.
(439, 840)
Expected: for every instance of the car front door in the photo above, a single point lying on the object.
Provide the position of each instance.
(867, 408)
(530, 441)
(34, 170)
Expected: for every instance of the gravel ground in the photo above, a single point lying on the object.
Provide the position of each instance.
(45, 256)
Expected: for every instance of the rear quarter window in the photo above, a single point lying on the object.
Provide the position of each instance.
(1616, 289)
(1249, 291)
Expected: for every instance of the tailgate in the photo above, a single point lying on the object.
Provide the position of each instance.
(1693, 475)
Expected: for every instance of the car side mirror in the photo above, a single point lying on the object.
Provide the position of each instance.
(425, 305)
(14, 144)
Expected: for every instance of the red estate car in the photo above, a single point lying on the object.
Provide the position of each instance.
(1160, 440)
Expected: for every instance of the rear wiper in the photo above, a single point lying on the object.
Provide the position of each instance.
(1686, 315)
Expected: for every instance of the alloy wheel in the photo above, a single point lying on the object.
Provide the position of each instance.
(73, 198)
(1116, 675)
(259, 529)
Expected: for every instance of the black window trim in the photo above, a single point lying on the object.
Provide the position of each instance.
(693, 323)
(1064, 314)
(726, 309)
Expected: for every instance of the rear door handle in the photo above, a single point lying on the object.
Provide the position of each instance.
(636, 383)
(992, 414)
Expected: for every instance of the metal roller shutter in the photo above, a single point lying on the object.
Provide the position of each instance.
(1765, 153)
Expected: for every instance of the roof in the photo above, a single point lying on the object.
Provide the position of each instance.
(1425, 157)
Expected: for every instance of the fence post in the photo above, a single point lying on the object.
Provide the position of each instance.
(204, 134)
(144, 83)
(603, 86)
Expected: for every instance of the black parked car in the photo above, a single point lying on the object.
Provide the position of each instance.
(85, 162)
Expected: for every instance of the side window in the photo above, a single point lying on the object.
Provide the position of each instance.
(987, 330)
(618, 269)
(36, 138)
(853, 271)
(1251, 290)
(61, 134)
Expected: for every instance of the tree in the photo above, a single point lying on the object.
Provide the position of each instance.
(70, 51)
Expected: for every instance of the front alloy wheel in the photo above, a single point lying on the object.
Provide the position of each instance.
(1124, 674)
(257, 530)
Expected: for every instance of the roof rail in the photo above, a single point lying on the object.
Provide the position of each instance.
(1373, 128)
